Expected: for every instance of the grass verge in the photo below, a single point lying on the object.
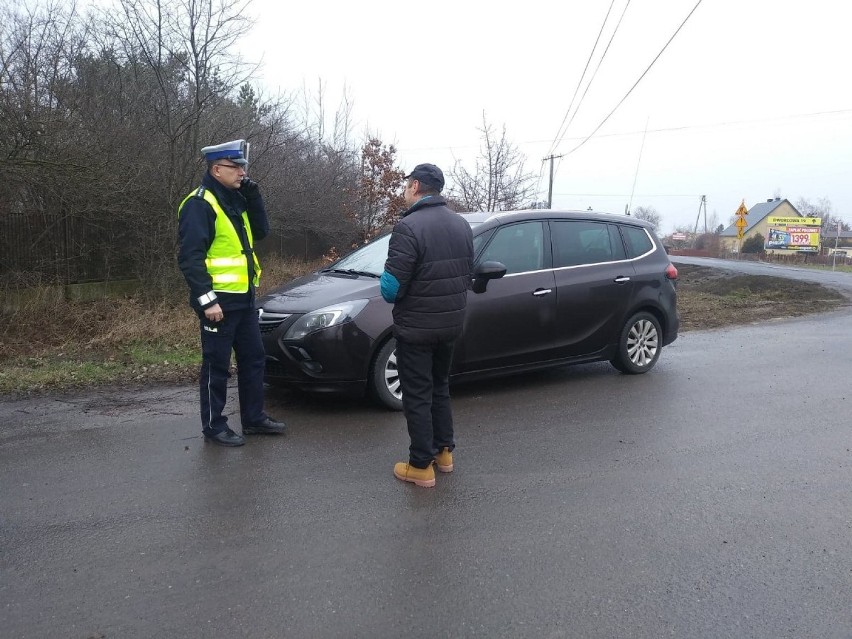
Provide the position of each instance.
(52, 345)
(66, 346)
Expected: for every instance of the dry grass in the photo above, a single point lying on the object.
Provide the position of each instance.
(709, 298)
(85, 326)
(64, 345)
(48, 344)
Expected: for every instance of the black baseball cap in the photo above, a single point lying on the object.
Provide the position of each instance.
(427, 174)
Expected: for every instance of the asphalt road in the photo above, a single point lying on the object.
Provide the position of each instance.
(708, 498)
(840, 280)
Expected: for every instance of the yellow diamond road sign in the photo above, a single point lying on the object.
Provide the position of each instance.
(741, 223)
(740, 234)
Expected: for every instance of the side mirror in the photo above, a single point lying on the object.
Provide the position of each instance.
(487, 271)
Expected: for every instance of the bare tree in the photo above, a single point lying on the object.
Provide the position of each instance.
(649, 214)
(311, 189)
(41, 170)
(498, 181)
(102, 118)
(708, 242)
(186, 46)
(822, 209)
(713, 223)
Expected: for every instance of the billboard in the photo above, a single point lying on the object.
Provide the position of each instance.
(793, 234)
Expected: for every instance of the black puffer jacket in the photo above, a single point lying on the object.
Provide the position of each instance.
(431, 256)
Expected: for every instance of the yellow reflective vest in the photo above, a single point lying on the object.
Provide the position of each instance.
(226, 262)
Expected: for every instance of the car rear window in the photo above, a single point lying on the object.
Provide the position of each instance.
(637, 240)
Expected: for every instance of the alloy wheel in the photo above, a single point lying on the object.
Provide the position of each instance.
(392, 376)
(642, 343)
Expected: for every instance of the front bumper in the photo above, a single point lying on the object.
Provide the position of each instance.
(335, 359)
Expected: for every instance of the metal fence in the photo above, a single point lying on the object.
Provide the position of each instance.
(44, 248)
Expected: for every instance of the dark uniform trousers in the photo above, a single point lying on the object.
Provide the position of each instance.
(238, 331)
(424, 374)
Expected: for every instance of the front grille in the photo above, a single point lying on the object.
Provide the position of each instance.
(275, 369)
(270, 321)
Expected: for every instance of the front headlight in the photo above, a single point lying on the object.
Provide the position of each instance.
(325, 318)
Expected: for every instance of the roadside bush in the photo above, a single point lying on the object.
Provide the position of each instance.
(754, 244)
(708, 242)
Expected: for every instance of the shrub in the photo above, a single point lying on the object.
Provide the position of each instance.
(754, 244)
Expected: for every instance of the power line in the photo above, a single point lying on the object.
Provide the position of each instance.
(690, 195)
(687, 127)
(644, 73)
(591, 80)
(583, 75)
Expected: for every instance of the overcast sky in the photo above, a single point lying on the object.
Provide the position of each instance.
(750, 100)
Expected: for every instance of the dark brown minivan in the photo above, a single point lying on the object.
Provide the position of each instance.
(550, 288)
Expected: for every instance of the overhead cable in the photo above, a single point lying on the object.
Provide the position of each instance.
(561, 134)
(687, 127)
(644, 73)
(580, 82)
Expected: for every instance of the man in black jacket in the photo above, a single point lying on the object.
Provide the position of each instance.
(218, 224)
(427, 276)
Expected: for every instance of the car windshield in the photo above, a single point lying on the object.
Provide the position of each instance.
(370, 258)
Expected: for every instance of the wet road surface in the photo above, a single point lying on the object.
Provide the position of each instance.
(708, 498)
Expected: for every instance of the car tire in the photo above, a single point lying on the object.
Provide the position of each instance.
(384, 377)
(639, 344)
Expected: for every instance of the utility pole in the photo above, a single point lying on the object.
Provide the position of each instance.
(836, 241)
(636, 175)
(702, 203)
(550, 184)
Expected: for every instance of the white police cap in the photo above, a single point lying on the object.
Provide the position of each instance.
(236, 151)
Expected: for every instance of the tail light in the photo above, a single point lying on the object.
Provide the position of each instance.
(671, 272)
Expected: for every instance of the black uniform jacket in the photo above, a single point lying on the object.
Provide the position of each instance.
(196, 230)
(431, 255)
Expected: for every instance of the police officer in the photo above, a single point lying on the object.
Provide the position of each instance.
(218, 224)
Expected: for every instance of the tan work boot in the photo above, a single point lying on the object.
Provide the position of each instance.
(423, 477)
(444, 460)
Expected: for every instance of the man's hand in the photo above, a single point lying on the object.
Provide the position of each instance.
(214, 313)
(249, 189)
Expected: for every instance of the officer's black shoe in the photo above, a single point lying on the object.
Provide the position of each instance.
(266, 426)
(225, 437)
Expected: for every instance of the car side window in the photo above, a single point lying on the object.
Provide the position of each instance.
(637, 240)
(578, 242)
(479, 241)
(519, 246)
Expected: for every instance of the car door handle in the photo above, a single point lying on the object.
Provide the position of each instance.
(541, 291)
(621, 278)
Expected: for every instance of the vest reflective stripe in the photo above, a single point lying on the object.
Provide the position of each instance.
(226, 262)
(227, 278)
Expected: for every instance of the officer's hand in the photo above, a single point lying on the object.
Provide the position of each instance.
(214, 313)
(250, 189)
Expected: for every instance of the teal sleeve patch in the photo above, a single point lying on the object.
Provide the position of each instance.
(389, 286)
